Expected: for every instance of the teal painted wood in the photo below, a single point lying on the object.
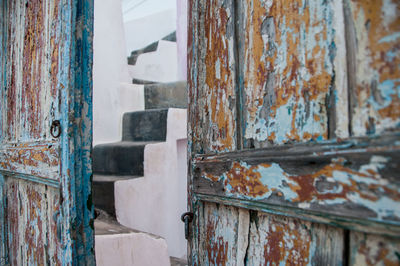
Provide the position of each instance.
(46, 75)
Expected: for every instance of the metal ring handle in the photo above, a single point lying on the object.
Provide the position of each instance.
(55, 129)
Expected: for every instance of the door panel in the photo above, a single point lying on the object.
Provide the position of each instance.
(46, 61)
(370, 249)
(315, 160)
(278, 239)
(32, 212)
(291, 54)
(374, 58)
(216, 78)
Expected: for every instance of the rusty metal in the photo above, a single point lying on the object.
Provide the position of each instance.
(55, 129)
(187, 218)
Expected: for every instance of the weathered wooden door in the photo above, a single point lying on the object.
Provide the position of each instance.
(294, 134)
(46, 216)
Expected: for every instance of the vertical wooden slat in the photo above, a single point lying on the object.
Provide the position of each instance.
(370, 249)
(375, 90)
(223, 235)
(213, 85)
(294, 76)
(276, 240)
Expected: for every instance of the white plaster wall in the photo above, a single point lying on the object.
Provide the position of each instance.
(143, 31)
(158, 66)
(181, 37)
(155, 202)
(131, 249)
(110, 69)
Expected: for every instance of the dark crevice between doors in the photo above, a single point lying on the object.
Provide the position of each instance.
(346, 247)
(238, 76)
(351, 46)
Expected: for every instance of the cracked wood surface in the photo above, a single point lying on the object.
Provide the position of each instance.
(45, 75)
(294, 132)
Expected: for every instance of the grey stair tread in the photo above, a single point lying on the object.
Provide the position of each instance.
(166, 95)
(112, 178)
(147, 125)
(119, 158)
(107, 225)
(142, 81)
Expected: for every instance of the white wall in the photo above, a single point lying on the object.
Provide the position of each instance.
(146, 30)
(181, 37)
(110, 73)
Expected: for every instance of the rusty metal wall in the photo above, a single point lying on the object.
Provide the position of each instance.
(294, 132)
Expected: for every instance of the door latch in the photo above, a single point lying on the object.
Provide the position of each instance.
(187, 218)
(55, 129)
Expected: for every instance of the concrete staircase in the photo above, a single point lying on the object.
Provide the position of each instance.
(135, 182)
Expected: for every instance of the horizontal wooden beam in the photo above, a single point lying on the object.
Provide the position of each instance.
(345, 180)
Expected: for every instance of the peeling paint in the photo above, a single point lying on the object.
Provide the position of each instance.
(377, 86)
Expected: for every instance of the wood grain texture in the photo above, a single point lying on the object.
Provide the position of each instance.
(32, 229)
(46, 75)
(35, 159)
(369, 249)
(223, 232)
(375, 91)
(358, 181)
(31, 68)
(276, 240)
(294, 71)
(212, 87)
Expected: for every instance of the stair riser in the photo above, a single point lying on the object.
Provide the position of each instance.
(145, 125)
(118, 160)
(169, 95)
(103, 196)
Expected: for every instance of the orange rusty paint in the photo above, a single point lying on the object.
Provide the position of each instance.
(289, 19)
(217, 249)
(277, 249)
(378, 58)
(23, 158)
(219, 89)
(246, 181)
(374, 250)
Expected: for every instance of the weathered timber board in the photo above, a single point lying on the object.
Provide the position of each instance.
(31, 69)
(370, 249)
(373, 37)
(35, 159)
(276, 240)
(213, 77)
(293, 71)
(351, 180)
(32, 212)
(223, 234)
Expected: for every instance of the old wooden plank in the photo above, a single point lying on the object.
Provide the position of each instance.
(223, 232)
(294, 71)
(358, 182)
(212, 87)
(32, 86)
(35, 159)
(369, 249)
(374, 30)
(276, 240)
(30, 223)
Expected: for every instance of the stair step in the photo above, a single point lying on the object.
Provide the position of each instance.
(165, 95)
(148, 125)
(116, 244)
(120, 158)
(103, 192)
